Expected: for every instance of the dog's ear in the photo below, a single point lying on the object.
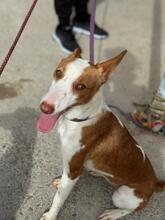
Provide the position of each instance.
(76, 53)
(105, 68)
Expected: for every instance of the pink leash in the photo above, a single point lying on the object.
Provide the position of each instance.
(8, 55)
(92, 29)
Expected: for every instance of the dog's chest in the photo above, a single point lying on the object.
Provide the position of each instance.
(70, 136)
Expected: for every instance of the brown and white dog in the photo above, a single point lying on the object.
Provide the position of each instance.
(93, 138)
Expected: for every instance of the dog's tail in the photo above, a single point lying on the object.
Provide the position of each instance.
(160, 186)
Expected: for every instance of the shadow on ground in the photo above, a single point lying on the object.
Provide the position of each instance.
(125, 90)
(16, 163)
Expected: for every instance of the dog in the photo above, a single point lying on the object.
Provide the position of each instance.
(93, 138)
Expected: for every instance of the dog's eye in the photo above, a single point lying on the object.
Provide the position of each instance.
(80, 87)
(58, 74)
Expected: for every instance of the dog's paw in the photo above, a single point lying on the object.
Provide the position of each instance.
(56, 183)
(112, 214)
(46, 216)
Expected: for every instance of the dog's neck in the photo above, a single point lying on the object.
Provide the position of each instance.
(89, 110)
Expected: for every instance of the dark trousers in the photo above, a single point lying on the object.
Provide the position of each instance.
(64, 8)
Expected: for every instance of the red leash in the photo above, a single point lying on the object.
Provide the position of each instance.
(17, 37)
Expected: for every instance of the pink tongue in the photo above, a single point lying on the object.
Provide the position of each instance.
(46, 122)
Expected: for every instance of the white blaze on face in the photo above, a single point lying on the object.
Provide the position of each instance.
(60, 93)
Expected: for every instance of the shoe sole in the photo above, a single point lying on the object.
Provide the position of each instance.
(87, 33)
(58, 41)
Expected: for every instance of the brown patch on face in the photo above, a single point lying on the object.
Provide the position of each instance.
(61, 69)
(93, 77)
(91, 82)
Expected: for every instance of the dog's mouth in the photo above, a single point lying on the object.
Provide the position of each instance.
(46, 122)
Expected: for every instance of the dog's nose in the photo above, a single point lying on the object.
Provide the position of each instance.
(47, 108)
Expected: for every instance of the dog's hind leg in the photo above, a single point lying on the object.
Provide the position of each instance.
(126, 202)
(61, 195)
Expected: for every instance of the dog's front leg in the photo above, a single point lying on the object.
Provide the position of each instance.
(61, 195)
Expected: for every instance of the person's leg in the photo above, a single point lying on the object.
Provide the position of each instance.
(81, 22)
(63, 34)
(63, 10)
(81, 10)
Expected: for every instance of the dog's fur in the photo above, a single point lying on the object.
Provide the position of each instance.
(100, 143)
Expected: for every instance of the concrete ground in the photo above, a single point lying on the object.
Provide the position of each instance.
(29, 161)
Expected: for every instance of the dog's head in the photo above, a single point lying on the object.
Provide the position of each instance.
(75, 82)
